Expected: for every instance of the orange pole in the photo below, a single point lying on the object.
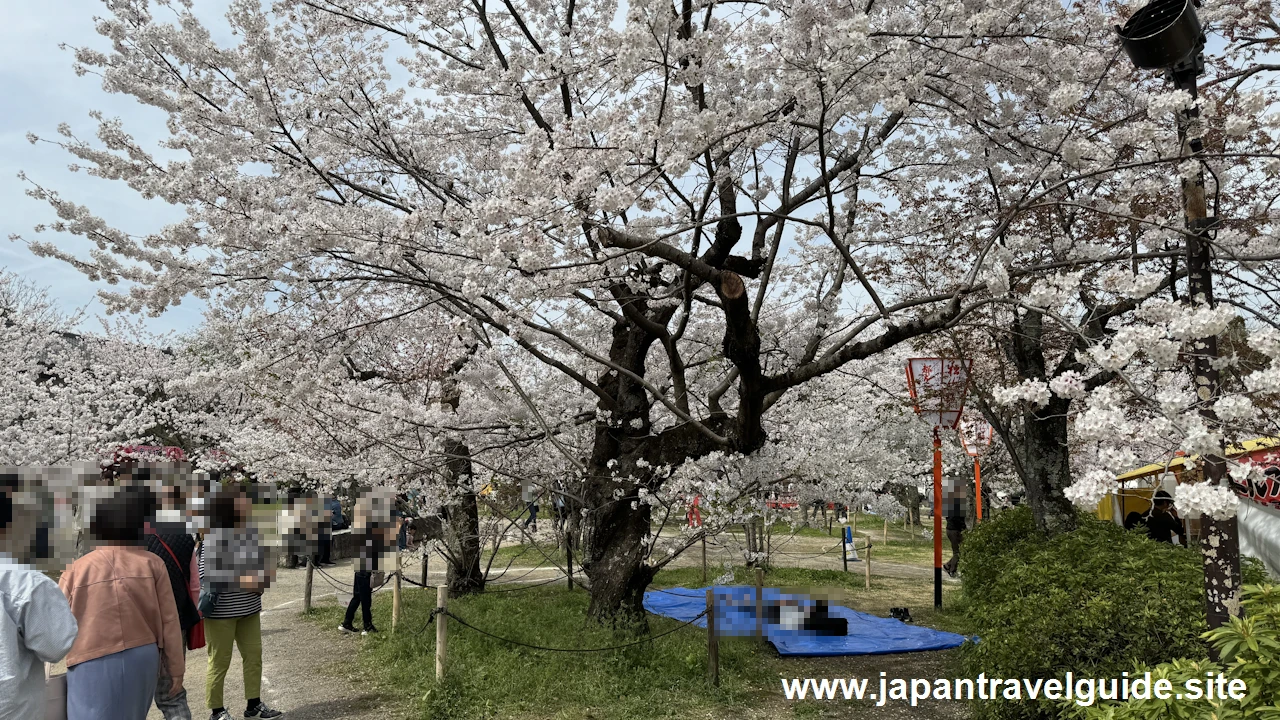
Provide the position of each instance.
(937, 519)
(977, 486)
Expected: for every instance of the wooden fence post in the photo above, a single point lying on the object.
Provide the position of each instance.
(395, 595)
(426, 554)
(713, 644)
(885, 540)
(442, 604)
(306, 586)
(759, 602)
(704, 558)
(867, 560)
(845, 536)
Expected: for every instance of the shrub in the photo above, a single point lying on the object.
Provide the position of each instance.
(1250, 650)
(1094, 601)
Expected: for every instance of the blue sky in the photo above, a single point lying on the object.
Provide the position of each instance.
(39, 91)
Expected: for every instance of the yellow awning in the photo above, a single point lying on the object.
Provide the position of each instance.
(1176, 465)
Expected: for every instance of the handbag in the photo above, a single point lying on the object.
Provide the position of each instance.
(208, 597)
(377, 579)
(195, 639)
(195, 636)
(55, 695)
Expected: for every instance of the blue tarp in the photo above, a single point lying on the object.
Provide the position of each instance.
(735, 615)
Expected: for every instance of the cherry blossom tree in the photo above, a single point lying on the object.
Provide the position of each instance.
(685, 212)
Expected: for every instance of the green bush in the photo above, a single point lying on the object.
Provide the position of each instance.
(1250, 649)
(1095, 601)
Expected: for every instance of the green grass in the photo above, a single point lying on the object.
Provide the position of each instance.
(665, 678)
(523, 555)
(492, 679)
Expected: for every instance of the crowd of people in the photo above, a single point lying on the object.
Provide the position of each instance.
(167, 573)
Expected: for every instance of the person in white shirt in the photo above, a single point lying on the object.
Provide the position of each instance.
(36, 625)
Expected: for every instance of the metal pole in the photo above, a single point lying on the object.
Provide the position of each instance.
(937, 519)
(844, 547)
(977, 488)
(1219, 539)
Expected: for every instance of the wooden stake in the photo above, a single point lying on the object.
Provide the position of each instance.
(442, 603)
(759, 602)
(426, 553)
(713, 644)
(395, 595)
(306, 587)
(704, 558)
(867, 560)
(846, 539)
(886, 531)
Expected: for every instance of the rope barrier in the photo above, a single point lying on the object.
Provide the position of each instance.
(566, 650)
(349, 587)
(531, 570)
(524, 587)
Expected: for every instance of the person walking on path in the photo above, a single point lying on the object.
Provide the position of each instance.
(531, 504)
(129, 629)
(373, 535)
(36, 623)
(233, 575)
(169, 538)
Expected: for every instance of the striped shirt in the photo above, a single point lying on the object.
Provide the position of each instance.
(232, 553)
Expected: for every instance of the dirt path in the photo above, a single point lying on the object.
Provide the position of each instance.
(301, 664)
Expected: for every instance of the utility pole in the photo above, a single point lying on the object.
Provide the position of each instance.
(1166, 34)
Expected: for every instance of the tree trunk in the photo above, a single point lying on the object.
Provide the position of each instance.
(462, 531)
(1046, 468)
(1043, 461)
(617, 526)
(616, 549)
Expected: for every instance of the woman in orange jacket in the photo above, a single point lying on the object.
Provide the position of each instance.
(122, 600)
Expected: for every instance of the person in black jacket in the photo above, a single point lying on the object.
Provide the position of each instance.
(169, 538)
(1164, 522)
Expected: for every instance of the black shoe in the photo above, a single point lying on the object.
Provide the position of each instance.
(262, 711)
(346, 629)
(369, 629)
